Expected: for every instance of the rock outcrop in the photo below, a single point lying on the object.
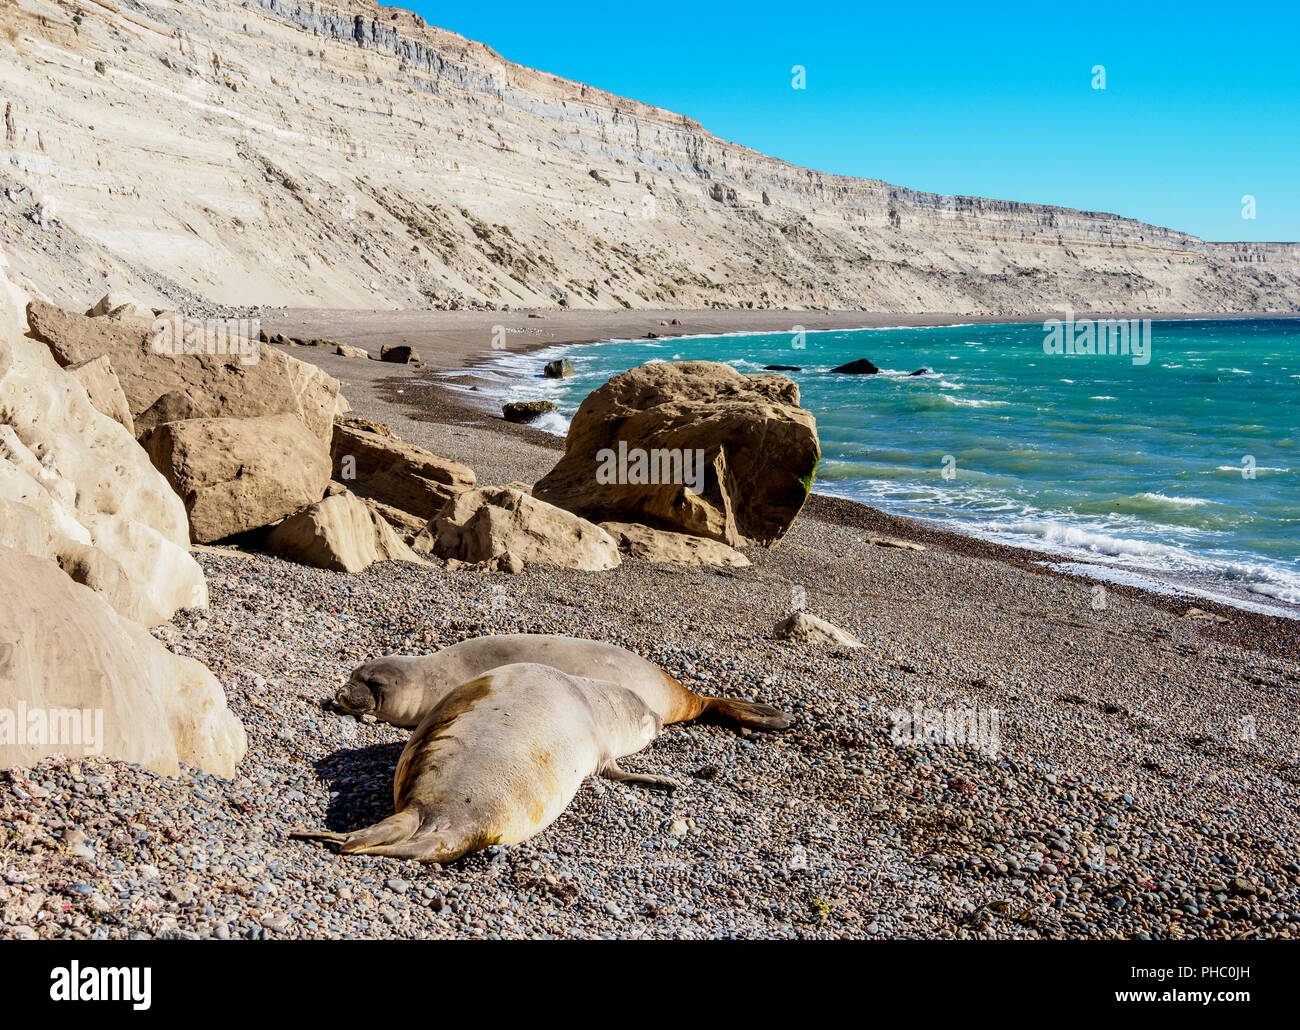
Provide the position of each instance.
(341, 533)
(237, 474)
(377, 464)
(692, 446)
(76, 678)
(247, 380)
(484, 524)
(658, 545)
(76, 489)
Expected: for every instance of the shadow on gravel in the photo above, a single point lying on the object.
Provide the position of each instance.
(363, 780)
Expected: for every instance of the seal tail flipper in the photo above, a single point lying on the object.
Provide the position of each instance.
(395, 829)
(753, 714)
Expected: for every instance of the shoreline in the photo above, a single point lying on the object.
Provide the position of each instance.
(440, 401)
(458, 341)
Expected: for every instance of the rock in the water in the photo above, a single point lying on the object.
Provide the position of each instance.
(379, 465)
(782, 368)
(660, 545)
(399, 353)
(239, 474)
(558, 369)
(526, 411)
(483, 524)
(104, 390)
(923, 371)
(641, 446)
(76, 490)
(248, 380)
(861, 367)
(802, 628)
(341, 533)
(100, 684)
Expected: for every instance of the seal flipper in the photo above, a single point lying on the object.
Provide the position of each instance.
(611, 771)
(753, 714)
(396, 829)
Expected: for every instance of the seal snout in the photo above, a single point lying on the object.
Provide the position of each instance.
(355, 697)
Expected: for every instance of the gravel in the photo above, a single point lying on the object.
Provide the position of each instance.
(1137, 776)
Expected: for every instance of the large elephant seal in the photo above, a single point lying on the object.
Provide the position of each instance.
(498, 758)
(403, 689)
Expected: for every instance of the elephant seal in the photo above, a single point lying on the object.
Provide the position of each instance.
(402, 689)
(498, 758)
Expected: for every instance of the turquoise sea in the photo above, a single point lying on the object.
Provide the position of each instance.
(1181, 465)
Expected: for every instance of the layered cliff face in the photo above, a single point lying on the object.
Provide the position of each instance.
(347, 155)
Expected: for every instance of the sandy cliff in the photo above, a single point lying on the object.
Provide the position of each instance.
(347, 155)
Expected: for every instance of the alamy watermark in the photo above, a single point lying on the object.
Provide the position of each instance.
(979, 728)
(637, 466)
(69, 730)
(1114, 337)
(176, 335)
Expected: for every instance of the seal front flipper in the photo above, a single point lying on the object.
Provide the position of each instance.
(611, 771)
(753, 714)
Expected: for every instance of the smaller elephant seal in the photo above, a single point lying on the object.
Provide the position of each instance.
(403, 689)
(497, 760)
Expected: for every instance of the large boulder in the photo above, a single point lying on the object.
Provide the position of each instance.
(78, 679)
(237, 474)
(375, 463)
(77, 491)
(104, 389)
(341, 533)
(246, 381)
(659, 545)
(484, 524)
(691, 446)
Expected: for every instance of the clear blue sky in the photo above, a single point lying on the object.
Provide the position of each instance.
(1201, 106)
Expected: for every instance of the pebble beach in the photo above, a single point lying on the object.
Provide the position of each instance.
(1135, 776)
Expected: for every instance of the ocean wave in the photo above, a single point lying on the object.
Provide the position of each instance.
(552, 422)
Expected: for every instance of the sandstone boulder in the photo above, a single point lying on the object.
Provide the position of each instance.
(802, 628)
(77, 491)
(245, 381)
(237, 474)
(122, 307)
(399, 353)
(340, 533)
(483, 524)
(379, 465)
(101, 384)
(78, 679)
(690, 446)
(659, 545)
(346, 351)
